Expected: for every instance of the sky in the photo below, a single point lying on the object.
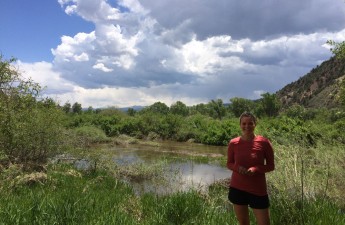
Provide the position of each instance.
(124, 53)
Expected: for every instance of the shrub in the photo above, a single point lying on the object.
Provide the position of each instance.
(30, 128)
(91, 134)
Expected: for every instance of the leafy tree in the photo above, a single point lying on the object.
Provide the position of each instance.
(67, 107)
(338, 49)
(269, 105)
(150, 122)
(30, 130)
(132, 125)
(200, 108)
(111, 111)
(159, 107)
(76, 108)
(130, 111)
(179, 108)
(240, 105)
(299, 112)
(169, 126)
(217, 109)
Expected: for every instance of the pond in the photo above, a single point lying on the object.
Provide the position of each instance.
(181, 173)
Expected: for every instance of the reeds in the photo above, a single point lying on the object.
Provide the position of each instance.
(305, 185)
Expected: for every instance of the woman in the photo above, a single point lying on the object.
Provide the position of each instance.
(250, 156)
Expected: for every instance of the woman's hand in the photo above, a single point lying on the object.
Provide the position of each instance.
(242, 170)
(251, 171)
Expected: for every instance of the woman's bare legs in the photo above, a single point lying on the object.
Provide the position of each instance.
(242, 214)
(262, 216)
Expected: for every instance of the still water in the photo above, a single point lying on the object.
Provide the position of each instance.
(182, 173)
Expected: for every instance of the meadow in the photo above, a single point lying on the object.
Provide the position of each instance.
(305, 188)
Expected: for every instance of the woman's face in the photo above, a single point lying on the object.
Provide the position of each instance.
(247, 125)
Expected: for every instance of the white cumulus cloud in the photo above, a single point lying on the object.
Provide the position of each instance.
(145, 51)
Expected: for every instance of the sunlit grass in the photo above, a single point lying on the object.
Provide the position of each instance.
(306, 188)
(72, 197)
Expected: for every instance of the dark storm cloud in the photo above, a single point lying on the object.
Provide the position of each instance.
(250, 19)
(195, 50)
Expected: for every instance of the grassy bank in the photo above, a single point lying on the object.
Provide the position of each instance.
(63, 195)
(67, 196)
(306, 189)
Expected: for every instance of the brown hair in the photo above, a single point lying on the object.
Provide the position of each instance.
(248, 114)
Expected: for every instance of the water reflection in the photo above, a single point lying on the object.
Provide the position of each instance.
(181, 174)
(199, 175)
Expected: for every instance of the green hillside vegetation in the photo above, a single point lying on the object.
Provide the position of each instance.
(306, 188)
(320, 88)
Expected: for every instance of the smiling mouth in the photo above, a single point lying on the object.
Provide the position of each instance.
(248, 130)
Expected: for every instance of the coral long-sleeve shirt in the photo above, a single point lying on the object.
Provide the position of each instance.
(257, 154)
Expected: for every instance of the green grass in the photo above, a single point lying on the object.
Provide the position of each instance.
(70, 197)
(287, 209)
(306, 189)
(65, 198)
(306, 185)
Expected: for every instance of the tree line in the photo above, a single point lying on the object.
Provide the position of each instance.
(268, 105)
(34, 128)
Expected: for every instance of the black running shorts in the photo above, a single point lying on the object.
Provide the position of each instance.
(239, 197)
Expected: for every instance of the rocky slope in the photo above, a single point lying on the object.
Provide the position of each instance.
(318, 88)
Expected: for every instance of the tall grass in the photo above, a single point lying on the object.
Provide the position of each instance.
(71, 197)
(66, 197)
(305, 187)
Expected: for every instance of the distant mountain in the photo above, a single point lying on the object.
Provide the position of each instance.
(135, 107)
(316, 89)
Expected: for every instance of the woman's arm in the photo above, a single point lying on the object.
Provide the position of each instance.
(231, 158)
(269, 160)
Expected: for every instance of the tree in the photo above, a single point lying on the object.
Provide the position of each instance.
(159, 107)
(339, 51)
(30, 127)
(217, 109)
(66, 107)
(131, 112)
(76, 108)
(240, 105)
(200, 108)
(269, 105)
(179, 108)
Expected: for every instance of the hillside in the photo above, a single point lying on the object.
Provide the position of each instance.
(316, 89)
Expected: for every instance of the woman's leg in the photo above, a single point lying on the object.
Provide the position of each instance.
(262, 216)
(242, 214)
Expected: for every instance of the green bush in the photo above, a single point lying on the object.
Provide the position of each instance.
(30, 128)
(91, 134)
